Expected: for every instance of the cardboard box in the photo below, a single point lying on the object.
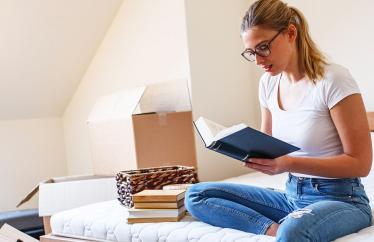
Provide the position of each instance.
(63, 193)
(142, 127)
(10, 234)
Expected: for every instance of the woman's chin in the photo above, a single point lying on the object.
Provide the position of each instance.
(273, 72)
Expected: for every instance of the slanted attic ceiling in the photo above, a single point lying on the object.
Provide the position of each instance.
(45, 49)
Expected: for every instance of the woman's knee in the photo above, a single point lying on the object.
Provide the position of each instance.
(289, 234)
(194, 196)
(195, 192)
(294, 229)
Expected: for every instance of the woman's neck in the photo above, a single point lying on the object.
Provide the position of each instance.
(293, 71)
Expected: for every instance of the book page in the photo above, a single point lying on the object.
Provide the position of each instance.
(214, 128)
(211, 131)
(208, 129)
(228, 131)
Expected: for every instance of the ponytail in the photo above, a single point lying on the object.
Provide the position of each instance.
(311, 60)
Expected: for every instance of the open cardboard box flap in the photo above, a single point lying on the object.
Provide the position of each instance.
(33, 192)
(164, 97)
(142, 127)
(161, 97)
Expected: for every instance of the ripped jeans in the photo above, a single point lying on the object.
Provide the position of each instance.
(311, 209)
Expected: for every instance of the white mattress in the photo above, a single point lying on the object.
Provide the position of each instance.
(106, 221)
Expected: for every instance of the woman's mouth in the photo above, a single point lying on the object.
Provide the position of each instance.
(267, 68)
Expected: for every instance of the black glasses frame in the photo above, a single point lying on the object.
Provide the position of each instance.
(256, 52)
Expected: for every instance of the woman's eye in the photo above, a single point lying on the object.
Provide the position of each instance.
(262, 47)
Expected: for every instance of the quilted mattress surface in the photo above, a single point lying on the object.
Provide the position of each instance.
(106, 221)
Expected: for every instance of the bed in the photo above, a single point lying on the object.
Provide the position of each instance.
(106, 221)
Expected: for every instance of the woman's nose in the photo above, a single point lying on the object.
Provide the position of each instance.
(260, 60)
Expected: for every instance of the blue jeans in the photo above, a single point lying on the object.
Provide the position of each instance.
(311, 209)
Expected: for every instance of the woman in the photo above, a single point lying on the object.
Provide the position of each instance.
(311, 104)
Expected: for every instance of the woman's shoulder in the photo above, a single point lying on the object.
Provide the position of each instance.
(336, 76)
(337, 84)
(335, 72)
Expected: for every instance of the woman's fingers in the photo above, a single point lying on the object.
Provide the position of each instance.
(258, 167)
(267, 169)
(265, 162)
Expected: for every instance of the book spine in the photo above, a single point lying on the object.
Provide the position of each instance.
(229, 150)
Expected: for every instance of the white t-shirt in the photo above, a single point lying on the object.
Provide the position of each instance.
(309, 126)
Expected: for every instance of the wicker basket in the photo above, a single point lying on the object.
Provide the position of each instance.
(134, 181)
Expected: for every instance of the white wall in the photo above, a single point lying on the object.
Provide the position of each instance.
(224, 85)
(344, 31)
(146, 43)
(30, 151)
(46, 46)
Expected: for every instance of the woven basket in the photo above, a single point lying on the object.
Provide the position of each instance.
(134, 181)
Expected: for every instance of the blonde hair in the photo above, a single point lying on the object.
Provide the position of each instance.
(275, 14)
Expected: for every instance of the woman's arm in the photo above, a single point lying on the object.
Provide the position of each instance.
(266, 121)
(349, 117)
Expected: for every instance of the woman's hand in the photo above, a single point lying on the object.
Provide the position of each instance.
(269, 166)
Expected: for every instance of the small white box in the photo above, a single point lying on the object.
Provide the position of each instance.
(62, 193)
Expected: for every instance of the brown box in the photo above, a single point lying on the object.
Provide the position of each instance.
(163, 139)
(142, 127)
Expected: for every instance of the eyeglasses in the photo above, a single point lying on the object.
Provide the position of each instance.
(262, 50)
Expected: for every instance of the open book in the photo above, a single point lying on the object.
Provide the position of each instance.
(240, 141)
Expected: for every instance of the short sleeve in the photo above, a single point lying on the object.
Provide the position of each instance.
(262, 90)
(338, 85)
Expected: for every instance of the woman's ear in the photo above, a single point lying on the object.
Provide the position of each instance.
(292, 33)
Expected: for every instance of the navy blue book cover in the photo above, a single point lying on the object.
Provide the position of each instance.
(250, 143)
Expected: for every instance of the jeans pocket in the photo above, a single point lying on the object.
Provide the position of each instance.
(338, 189)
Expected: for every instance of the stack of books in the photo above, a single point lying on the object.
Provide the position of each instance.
(157, 206)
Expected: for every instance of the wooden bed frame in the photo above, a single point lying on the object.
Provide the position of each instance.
(52, 238)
